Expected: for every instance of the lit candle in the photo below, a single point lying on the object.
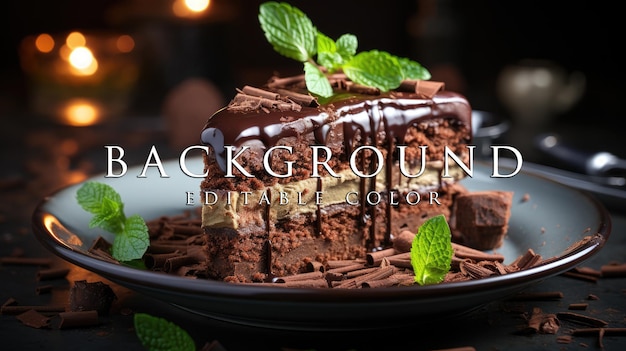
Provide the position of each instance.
(190, 8)
(80, 79)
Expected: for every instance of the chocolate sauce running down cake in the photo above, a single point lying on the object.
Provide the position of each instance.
(293, 180)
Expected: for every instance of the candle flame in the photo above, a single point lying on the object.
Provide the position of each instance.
(44, 43)
(125, 43)
(79, 112)
(190, 8)
(82, 61)
(75, 39)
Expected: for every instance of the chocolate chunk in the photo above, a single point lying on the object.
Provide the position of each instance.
(96, 296)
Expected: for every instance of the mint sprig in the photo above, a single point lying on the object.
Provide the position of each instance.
(158, 334)
(131, 233)
(292, 34)
(431, 251)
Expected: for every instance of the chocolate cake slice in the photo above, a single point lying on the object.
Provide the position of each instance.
(292, 180)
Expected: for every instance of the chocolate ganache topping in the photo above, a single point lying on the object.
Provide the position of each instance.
(272, 117)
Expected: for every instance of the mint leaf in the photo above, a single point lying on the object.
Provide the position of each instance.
(346, 46)
(316, 81)
(375, 68)
(91, 195)
(327, 54)
(288, 29)
(158, 334)
(131, 234)
(431, 251)
(413, 70)
(132, 242)
(109, 217)
(292, 34)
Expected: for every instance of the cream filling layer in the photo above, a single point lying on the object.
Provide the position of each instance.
(231, 209)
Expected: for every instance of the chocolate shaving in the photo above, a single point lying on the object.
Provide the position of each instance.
(245, 102)
(607, 331)
(578, 306)
(43, 289)
(424, 88)
(303, 276)
(613, 270)
(26, 261)
(276, 82)
(462, 251)
(52, 273)
(581, 318)
(374, 258)
(101, 249)
(248, 90)
(34, 319)
(78, 319)
(542, 323)
(47, 309)
(580, 276)
(302, 99)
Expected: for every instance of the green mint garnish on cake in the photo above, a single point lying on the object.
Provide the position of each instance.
(131, 233)
(292, 34)
(158, 334)
(431, 251)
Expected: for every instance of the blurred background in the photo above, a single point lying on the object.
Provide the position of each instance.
(540, 65)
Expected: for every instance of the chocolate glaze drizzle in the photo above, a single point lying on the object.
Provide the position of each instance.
(364, 119)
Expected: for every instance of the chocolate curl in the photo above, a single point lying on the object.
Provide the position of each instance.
(380, 283)
(360, 89)
(474, 270)
(309, 283)
(25, 261)
(424, 88)
(540, 322)
(360, 272)
(246, 102)
(528, 260)
(302, 99)
(248, 90)
(165, 247)
(403, 241)
(607, 331)
(78, 319)
(347, 268)
(462, 251)
(174, 263)
(315, 266)
(613, 270)
(374, 258)
(101, 249)
(380, 273)
(342, 263)
(276, 82)
(43, 289)
(578, 306)
(153, 261)
(580, 318)
(14, 310)
(400, 262)
(52, 273)
(303, 276)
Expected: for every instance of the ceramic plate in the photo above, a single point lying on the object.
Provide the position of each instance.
(546, 216)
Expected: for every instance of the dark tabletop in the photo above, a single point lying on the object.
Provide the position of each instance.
(39, 158)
